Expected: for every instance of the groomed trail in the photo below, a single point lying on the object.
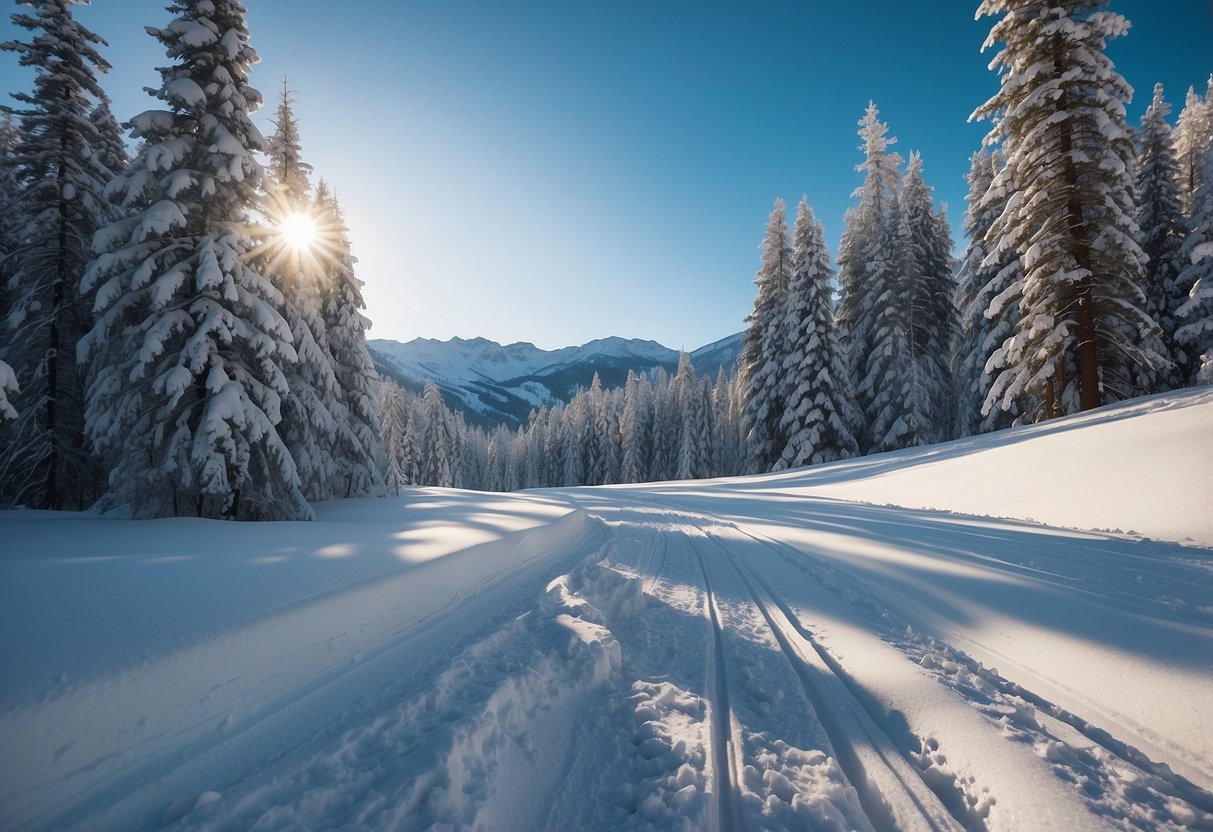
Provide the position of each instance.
(759, 653)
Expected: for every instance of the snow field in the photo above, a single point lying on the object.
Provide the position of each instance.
(727, 655)
(92, 748)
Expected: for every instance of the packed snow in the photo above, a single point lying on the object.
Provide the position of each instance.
(895, 642)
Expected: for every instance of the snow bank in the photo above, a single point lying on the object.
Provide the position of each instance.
(1143, 467)
(158, 650)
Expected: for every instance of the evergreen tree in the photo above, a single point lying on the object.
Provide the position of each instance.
(1196, 313)
(693, 450)
(1082, 336)
(111, 147)
(900, 399)
(190, 345)
(1193, 133)
(865, 261)
(58, 205)
(931, 318)
(762, 347)
(11, 221)
(988, 285)
(819, 405)
(393, 431)
(357, 447)
(435, 442)
(1161, 220)
(633, 429)
(309, 427)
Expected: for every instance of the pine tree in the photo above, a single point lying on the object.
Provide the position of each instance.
(111, 147)
(931, 318)
(293, 264)
(762, 347)
(57, 208)
(987, 288)
(693, 432)
(393, 431)
(899, 398)
(865, 261)
(819, 405)
(634, 430)
(189, 347)
(1163, 228)
(1196, 313)
(356, 447)
(1193, 134)
(1082, 336)
(435, 442)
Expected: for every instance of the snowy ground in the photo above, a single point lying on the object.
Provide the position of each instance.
(846, 647)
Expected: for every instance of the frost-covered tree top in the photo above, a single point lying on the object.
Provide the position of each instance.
(288, 172)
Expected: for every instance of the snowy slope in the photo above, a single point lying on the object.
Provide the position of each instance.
(496, 383)
(780, 652)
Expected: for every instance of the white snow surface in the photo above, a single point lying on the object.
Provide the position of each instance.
(863, 645)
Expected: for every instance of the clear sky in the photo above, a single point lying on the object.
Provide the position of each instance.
(560, 171)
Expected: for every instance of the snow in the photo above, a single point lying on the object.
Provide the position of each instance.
(860, 645)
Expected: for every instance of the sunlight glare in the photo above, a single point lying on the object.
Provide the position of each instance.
(299, 231)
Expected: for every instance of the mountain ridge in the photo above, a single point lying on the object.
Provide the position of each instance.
(493, 383)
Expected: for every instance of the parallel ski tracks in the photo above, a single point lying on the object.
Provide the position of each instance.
(1175, 784)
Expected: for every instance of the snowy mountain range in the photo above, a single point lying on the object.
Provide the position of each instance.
(494, 383)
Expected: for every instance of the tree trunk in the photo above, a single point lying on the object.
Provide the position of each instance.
(1088, 353)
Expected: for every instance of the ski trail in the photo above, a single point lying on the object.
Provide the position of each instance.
(1149, 790)
(893, 793)
(724, 757)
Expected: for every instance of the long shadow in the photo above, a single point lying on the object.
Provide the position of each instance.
(970, 571)
(82, 595)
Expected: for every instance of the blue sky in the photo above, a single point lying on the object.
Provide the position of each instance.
(560, 171)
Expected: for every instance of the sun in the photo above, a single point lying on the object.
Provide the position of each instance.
(299, 231)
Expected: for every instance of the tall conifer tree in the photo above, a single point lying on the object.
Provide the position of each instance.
(59, 173)
(190, 346)
(1082, 337)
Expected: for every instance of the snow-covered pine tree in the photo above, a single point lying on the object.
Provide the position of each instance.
(693, 435)
(762, 347)
(189, 346)
(1193, 133)
(1196, 313)
(634, 431)
(357, 447)
(724, 426)
(1163, 228)
(818, 413)
(1082, 337)
(393, 432)
(931, 317)
(309, 427)
(111, 146)
(865, 260)
(986, 296)
(59, 205)
(435, 443)
(899, 399)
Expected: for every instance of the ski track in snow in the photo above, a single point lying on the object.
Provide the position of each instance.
(678, 656)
